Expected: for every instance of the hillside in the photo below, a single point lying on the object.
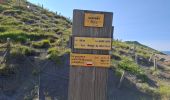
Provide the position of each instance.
(38, 62)
(29, 22)
(141, 45)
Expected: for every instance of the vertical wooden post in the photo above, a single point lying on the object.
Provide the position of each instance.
(8, 50)
(151, 56)
(121, 79)
(89, 83)
(136, 58)
(155, 63)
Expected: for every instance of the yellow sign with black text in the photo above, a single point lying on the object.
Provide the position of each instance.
(94, 20)
(92, 43)
(89, 60)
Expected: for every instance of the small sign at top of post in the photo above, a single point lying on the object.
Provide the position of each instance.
(94, 20)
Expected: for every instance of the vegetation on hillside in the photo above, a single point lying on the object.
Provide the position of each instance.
(28, 25)
(123, 59)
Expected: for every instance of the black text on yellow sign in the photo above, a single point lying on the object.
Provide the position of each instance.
(89, 60)
(94, 20)
(92, 43)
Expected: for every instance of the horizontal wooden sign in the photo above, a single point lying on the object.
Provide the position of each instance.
(94, 20)
(92, 43)
(89, 60)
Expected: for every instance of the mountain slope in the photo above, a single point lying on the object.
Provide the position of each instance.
(29, 21)
(136, 43)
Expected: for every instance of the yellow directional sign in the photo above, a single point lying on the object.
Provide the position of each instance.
(92, 43)
(89, 60)
(94, 20)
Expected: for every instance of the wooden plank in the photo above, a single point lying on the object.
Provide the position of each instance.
(89, 83)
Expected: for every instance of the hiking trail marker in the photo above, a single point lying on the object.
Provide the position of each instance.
(90, 59)
(94, 20)
(92, 43)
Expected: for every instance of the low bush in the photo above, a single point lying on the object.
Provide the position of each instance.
(116, 56)
(41, 44)
(15, 36)
(1, 9)
(119, 72)
(129, 65)
(19, 36)
(12, 22)
(12, 12)
(22, 50)
(54, 55)
(150, 90)
(164, 92)
(3, 29)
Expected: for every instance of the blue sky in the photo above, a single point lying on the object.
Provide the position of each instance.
(146, 21)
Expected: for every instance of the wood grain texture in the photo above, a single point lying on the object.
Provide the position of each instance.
(89, 83)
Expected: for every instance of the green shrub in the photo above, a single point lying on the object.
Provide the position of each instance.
(21, 39)
(51, 50)
(19, 36)
(41, 44)
(115, 56)
(119, 72)
(67, 51)
(147, 89)
(1, 9)
(22, 50)
(19, 8)
(2, 66)
(122, 45)
(54, 55)
(15, 36)
(3, 29)
(164, 92)
(12, 22)
(24, 19)
(12, 12)
(129, 65)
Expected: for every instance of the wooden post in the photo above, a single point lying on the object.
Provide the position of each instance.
(155, 63)
(136, 58)
(8, 50)
(121, 79)
(89, 83)
(151, 56)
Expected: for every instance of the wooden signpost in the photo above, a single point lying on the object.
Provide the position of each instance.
(90, 59)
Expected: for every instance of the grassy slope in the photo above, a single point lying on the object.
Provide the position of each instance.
(123, 60)
(35, 27)
(34, 23)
